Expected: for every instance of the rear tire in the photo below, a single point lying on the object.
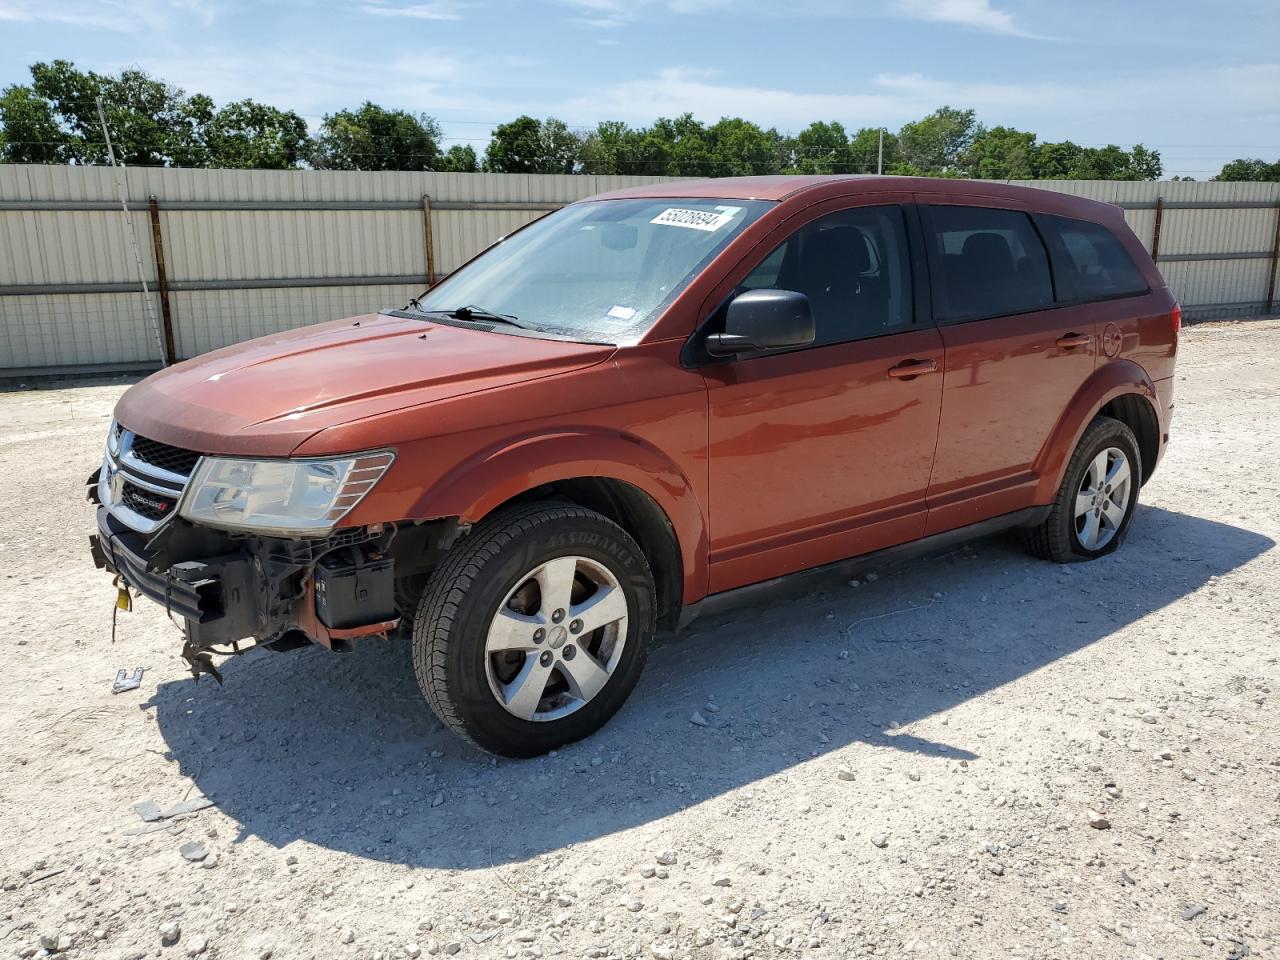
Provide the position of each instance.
(1098, 498)
(522, 640)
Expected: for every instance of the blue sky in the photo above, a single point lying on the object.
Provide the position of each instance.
(1199, 82)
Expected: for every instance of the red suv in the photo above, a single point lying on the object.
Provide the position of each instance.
(637, 406)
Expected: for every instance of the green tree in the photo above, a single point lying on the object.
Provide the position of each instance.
(459, 158)
(1145, 163)
(31, 133)
(607, 148)
(1000, 153)
(1063, 161)
(526, 145)
(683, 142)
(55, 119)
(864, 150)
(739, 148)
(146, 116)
(251, 134)
(937, 143)
(561, 147)
(1070, 161)
(515, 147)
(821, 148)
(1250, 169)
(375, 138)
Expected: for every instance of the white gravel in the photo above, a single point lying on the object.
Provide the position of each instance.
(1023, 761)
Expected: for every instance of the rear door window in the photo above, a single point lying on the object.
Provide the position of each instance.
(1096, 265)
(854, 266)
(987, 263)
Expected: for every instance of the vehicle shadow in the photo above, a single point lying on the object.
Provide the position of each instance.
(342, 752)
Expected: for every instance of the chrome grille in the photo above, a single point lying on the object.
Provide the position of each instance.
(142, 480)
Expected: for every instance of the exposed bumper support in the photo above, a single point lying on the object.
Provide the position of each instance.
(231, 589)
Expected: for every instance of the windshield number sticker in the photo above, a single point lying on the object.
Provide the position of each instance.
(621, 313)
(703, 220)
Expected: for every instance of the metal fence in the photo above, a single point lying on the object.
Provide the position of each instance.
(233, 254)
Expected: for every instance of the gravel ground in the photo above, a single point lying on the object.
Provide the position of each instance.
(975, 755)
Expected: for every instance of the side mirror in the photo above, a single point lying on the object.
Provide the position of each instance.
(763, 320)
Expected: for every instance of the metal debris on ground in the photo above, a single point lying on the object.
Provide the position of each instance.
(126, 681)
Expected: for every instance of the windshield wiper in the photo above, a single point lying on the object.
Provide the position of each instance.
(472, 312)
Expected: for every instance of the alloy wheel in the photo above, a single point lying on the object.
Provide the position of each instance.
(1103, 499)
(556, 638)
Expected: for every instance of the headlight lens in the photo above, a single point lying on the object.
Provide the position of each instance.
(282, 496)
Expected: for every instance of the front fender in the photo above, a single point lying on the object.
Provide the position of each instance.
(1116, 378)
(479, 485)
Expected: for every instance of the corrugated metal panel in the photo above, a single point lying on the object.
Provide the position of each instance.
(217, 318)
(45, 247)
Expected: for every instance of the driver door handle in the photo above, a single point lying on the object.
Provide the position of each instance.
(909, 369)
(1074, 340)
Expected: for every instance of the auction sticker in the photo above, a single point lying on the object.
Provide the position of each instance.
(692, 219)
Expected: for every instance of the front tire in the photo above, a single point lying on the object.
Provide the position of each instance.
(534, 630)
(1098, 497)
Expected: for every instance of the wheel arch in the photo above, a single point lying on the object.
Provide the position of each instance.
(619, 476)
(1120, 389)
(1138, 414)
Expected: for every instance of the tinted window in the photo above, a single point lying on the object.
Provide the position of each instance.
(854, 268)
(1096, 264)
(991, 263)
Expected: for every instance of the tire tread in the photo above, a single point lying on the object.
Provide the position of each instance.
(448, 584)
(1051, 539)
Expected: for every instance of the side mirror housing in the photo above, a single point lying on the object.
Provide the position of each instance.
(763, 320)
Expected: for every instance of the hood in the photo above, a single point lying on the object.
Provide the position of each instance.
(266, 396)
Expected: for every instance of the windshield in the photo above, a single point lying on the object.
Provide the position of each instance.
(600, 271)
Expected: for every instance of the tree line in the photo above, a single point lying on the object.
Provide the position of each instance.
(54, 119)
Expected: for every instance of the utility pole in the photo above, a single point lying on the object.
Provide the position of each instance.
(147, 306)
(880, 155)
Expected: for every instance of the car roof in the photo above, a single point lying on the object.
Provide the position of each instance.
(788, 187)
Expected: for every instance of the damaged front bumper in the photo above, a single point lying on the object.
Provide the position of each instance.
(228, 588)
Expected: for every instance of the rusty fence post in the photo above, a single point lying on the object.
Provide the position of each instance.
(428, 240)
(1155, 234)
(1275, 265)
(162, 282)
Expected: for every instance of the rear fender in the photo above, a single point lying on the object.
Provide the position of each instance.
(1106, 383)
(476, 487)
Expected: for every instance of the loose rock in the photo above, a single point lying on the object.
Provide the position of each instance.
(170, 932)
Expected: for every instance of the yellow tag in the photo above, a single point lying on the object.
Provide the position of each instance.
(123, 600)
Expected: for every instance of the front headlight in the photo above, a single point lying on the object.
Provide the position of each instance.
(306, 497)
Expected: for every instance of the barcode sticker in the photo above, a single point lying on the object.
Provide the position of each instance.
(692, 219)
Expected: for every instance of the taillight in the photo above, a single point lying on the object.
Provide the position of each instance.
(1175, 319)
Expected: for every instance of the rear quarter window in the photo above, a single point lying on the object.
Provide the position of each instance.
(1094, 261)
(989, 263)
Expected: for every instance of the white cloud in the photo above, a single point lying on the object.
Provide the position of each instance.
(121, 16)
(675, 90)
(611, 14)
(314, 82)
(414, 11)
(600, 23)
(978, 14)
